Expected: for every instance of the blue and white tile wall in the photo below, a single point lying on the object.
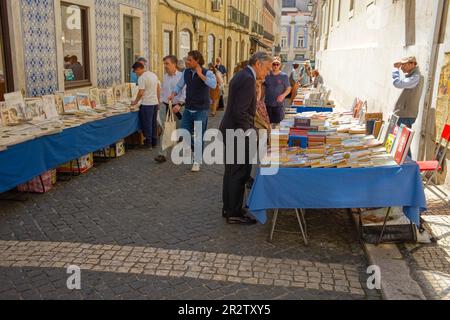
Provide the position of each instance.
(38, 24)
(108, 38)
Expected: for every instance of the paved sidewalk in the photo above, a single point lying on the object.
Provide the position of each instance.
(140, 230)
(430, 263)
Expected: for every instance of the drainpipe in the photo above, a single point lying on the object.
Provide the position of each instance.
(424, 138)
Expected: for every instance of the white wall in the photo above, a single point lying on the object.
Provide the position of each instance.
(362, 49)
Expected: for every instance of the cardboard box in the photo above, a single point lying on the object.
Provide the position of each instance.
(114, 151)
(36, 185)
(136, 139)
(85, 164)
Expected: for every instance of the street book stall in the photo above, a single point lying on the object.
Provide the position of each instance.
(346, 160)
(61, 132)
(312, 100)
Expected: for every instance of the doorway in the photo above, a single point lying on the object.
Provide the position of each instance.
(128, 45)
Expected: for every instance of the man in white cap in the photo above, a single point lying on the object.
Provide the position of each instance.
(407, 106)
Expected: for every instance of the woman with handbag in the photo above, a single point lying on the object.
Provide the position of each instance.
(215, 93)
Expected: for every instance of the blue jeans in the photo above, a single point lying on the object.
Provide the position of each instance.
(409, 122)
(149, 124)
(188, 123)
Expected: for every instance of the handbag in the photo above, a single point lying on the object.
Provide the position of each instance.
(170, 126)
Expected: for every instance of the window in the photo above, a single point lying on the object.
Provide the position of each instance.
(284, 42)
(75, 42)
(211, 48)
(185, 44)
(167, 43)
(6, 75)
(300, 42)
(220, 48)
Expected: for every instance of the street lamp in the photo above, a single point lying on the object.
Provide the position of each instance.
(310, 6)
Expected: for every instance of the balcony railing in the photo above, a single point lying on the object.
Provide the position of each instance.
(257, 28)
(269, 36)
(270, 8)
(238, 17)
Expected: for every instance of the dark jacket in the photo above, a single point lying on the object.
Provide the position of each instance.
(241, 107)
(197, 92)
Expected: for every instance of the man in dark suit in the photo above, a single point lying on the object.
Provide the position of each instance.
(240, 114)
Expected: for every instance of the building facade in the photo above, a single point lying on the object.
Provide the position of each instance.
(359, 41)
(297, 30)
(105, 37)
(230, 29)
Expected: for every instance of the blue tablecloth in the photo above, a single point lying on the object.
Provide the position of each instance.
(306, 188)
(312, 109)
(23, 162)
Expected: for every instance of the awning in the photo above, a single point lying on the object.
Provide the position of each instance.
(259, 42)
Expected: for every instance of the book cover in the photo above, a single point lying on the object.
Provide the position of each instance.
(94, 97)
(70, 104)
(84, 102)
(404, 143)
(110, 97)
(50, 109)
(35, 109)
(390, 143)
(16, 101)
(59, 97)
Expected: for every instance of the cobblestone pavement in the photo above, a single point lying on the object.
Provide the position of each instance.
(430, 263)
(144, 231)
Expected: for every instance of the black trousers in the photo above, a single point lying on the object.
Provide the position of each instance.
(234, 182)
(221, 103)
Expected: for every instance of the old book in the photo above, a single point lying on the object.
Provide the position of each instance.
(390, 143)
(16, 101)
(84, 102)
(59, 97)
(118, 93)
(95, 98)
(110, 97)
(70, 104)
(405, 138)
(50, 109)
(35, 109)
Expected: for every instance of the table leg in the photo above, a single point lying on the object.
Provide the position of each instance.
(274, 224)
(384, 226)
(303, 212)
(300, 223)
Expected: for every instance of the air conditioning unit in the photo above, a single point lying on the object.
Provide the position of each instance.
(216, 5)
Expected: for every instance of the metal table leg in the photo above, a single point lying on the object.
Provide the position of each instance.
(300, 223)
(274, 224)
(384, 226)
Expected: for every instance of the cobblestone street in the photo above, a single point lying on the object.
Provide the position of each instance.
(430, 263)
(144, 231)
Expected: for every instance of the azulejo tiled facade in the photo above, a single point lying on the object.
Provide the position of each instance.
(38, 25)
(40, 47)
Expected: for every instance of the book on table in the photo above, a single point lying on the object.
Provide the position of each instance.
(405, 137)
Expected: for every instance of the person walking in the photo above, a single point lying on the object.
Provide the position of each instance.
(240, 114)
(215, 93)
(318, 79)
(198, 81)
(170, 80)
(277, 89)
(224, 71)
(148, 95)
